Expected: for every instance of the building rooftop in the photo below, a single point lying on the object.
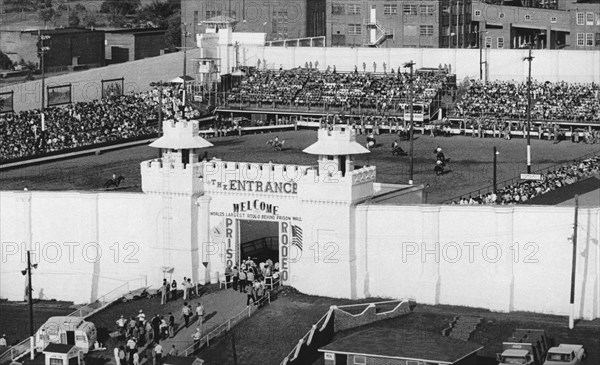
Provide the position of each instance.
(180, 135)
(58, 348)
(338, 140)
(403, 344)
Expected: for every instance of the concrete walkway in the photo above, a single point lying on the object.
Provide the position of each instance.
(218, 307)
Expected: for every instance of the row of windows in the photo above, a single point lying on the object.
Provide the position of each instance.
(587, 18)
(586, 39)
(388, 9)
(499, 42)
(424, 30)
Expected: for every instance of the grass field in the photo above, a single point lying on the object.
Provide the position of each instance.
(471, 167)
(14, 317)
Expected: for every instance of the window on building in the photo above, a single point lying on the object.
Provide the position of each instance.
(477, 12)
(553, 19)
(589, 39)
(390, 9)
(500, 41)
(580, 39)
(426, 9)
(527, 17)
(426, 30)
(598, 39)
(589, 18)
(580, 18)
(56, 361)
(488, 42)
(360, 360)
(338, 9)
(354, 29)
(408, 9)
(354, 9)
(212, 13)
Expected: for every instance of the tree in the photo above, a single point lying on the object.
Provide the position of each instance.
(5, 62)
(46, 10)
(90, 19)
(120, 7)
(21, 5)
(157, 12)
(74, 20)
(173, 33)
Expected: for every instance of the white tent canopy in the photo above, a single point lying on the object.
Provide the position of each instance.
(179, 79)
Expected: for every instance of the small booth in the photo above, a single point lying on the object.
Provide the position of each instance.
(62, 354)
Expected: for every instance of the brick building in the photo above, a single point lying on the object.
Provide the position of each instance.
(283, 19)
(420, 23)
(569, 25)
(124, 45)
(70, 48)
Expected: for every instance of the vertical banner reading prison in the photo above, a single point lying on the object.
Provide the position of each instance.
(112, 87)
(7, 102)
(59, 95)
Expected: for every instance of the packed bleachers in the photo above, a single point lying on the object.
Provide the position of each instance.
(76, 125)
(523, 191)
(302, 87)
(549, 101)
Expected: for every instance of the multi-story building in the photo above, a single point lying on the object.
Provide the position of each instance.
(405, 23)
(552, 24)
(281, 19)
(565, 24)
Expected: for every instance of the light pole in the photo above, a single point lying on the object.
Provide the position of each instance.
(496, 153)
(479, 42)
(160, 85)
(529, 58)
(184, 46)
(27, 272)
(42, 51)
(573, 266)
(410, 81)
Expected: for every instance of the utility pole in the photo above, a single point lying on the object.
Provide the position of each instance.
(480, 43)
(494, 175)
(27, 272)
(529, 58)
(410, 80)
(457, 21)
(573, 266)
(184, 41)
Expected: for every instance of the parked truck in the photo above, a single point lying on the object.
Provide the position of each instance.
(524, 347)
(565, 355)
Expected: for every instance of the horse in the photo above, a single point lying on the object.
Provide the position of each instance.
(114, 182)
(276, 145)
(398, 151)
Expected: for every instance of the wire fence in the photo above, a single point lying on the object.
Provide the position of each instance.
(543, 171)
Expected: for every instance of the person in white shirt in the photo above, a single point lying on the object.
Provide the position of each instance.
(3, 340)
(158, 351)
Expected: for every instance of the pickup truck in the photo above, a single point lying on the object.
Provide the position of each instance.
(565, 355)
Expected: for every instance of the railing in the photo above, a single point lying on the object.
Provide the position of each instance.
(488, 188)
(320, 323)
(227, 325)
(22, 348)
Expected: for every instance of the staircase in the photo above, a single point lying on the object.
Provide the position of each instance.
(381, 35)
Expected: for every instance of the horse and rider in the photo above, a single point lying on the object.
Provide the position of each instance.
(276, 144)
(441, 161)
(397, 150)
(115, 181)
(371, 143)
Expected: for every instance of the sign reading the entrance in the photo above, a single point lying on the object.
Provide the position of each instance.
(255, 205)
(259, 186)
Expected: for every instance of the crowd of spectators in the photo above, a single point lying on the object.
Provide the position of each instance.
(310, 87)
(117, 117)
(552, 180)
(549, 101)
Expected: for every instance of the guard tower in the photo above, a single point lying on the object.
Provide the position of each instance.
(336, 177)
(173, 184)
(208, 71)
